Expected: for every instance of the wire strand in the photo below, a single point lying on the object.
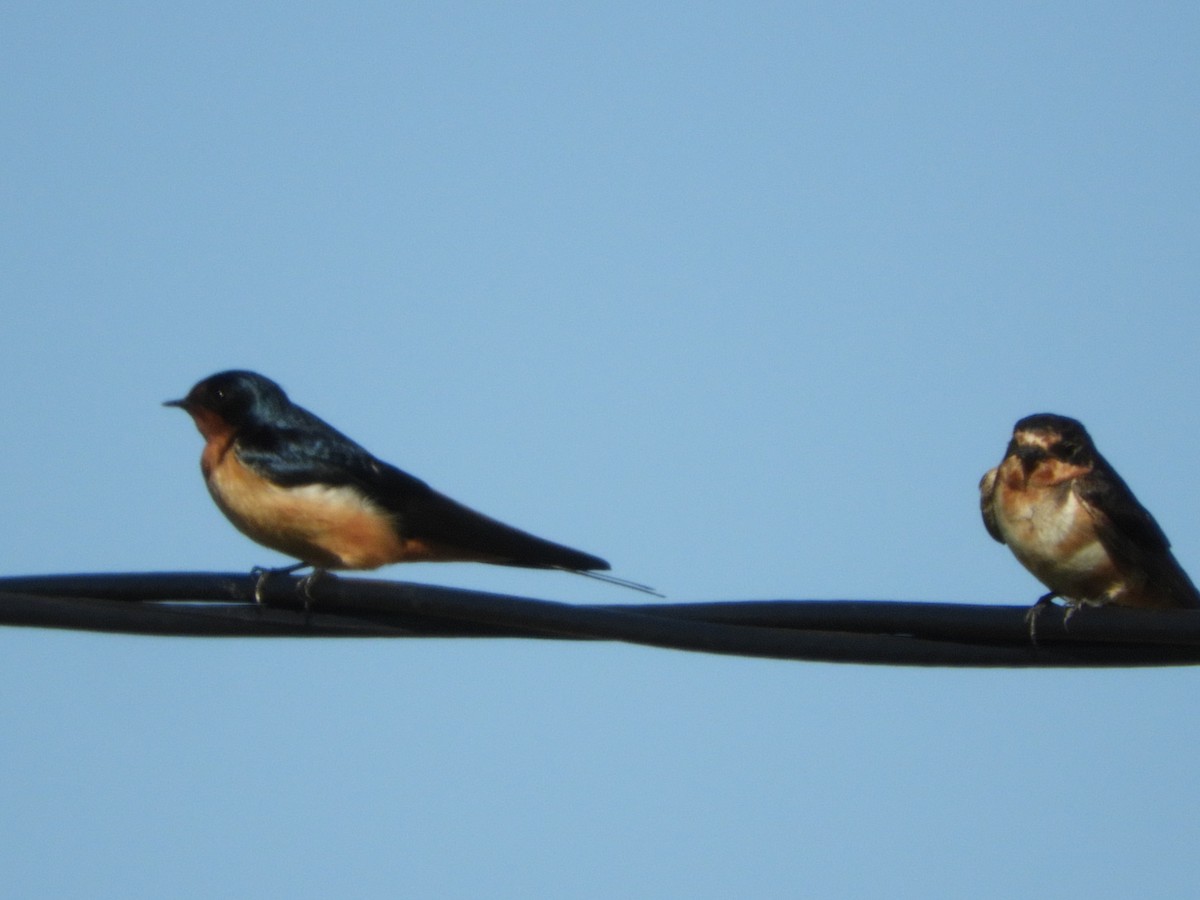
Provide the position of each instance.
(847, 631)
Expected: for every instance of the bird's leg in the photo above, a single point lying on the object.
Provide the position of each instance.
(261, 574)
(1031, 617)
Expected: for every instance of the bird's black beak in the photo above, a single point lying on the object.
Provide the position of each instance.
(1030, 456)
(182, 404)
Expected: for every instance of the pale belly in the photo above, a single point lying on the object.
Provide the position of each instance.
(1053, 536)
(329, 527)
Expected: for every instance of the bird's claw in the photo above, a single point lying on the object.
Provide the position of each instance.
(261, 574)
(306, 586)
(1031, 617)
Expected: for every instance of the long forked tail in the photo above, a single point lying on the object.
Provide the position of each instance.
(467, 535)
(613, 579)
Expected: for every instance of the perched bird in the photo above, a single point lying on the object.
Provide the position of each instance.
(1071, 520)
(293, 483)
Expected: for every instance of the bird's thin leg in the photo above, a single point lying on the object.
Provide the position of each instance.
(261, 574)
(1031, 617)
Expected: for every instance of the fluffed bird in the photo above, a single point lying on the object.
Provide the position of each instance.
(1071, 520)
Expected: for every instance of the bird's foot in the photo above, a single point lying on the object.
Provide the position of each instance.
(1043, 602)
(306, 585)
(260, 574)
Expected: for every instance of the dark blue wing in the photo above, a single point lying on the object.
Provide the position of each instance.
(1131, 535)
(300, 449)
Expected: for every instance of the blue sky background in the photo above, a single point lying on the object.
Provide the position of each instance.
(744, 298)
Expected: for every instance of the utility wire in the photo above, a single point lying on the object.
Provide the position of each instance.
(848, 631)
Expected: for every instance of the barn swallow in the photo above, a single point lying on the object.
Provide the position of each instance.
(291, 482)
(1072, 521)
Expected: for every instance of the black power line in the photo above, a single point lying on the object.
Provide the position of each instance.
(852, 631)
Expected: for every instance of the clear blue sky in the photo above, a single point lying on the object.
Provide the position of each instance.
(744, 298)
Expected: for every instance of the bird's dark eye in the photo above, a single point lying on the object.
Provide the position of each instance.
(1068, 449)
